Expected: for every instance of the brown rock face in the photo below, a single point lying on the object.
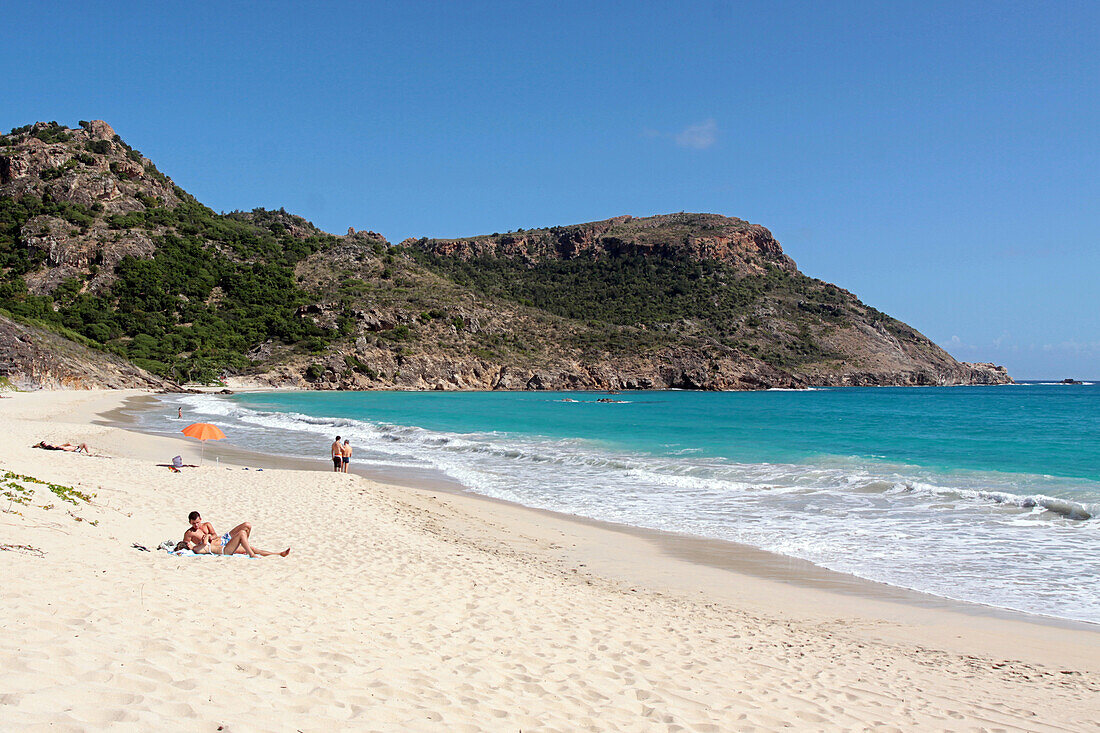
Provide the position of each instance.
(984, 373)
(71, 252)
(88, 169)
(31, 358)
(436, 370)
(100, 130)
(722, 369)
(694, 236)
(92, 170)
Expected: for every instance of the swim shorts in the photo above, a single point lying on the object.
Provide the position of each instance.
(337, 461)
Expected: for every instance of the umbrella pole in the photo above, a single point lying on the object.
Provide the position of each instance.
(202, 450)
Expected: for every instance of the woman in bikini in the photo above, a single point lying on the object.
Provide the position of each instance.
(82, 448)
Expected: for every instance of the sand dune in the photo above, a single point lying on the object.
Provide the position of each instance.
(404, 610)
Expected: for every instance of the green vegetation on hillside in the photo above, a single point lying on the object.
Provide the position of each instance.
(217, 286)
(17, 259)
(620, 290)
(657, 291)
(50, 133)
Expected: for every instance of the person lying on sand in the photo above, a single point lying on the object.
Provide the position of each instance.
(82, 448)
(201, 538)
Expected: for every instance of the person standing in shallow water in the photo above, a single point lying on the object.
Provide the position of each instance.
(346, 453)
(337, 455)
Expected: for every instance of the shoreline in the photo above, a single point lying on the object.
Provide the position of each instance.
(415, 608)
(716, 554)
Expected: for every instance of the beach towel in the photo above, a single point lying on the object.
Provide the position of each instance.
(189, 553)
(169, 546)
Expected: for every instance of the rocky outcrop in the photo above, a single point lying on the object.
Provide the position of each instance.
(31, 358)
(983, 373)
(89, 166)
(965, 374)
(279, 221)
(373, 368)
(748, 247)
(890, 353)
(93, 168)
(73, 252)
(381, 369)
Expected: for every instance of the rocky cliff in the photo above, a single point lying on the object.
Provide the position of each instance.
(90, 168)
(93, 238)
(747, 247)
(32, 358)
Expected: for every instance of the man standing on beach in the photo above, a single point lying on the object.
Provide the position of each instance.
(337, 455)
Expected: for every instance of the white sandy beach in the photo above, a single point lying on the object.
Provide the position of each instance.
(403, 609)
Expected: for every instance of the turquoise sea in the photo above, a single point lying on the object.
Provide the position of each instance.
(984, 494)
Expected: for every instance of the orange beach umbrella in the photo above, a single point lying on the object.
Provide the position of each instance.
(203, 431)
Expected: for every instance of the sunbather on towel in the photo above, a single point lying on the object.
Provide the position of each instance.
(200, 537)
(82, 448)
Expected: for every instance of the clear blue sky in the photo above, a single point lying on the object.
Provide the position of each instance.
(940, 160)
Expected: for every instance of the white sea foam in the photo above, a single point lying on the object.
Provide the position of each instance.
(977, 537)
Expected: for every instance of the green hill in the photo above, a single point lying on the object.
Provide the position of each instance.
(95, 241)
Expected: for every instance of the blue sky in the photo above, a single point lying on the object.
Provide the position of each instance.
(940, 160)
